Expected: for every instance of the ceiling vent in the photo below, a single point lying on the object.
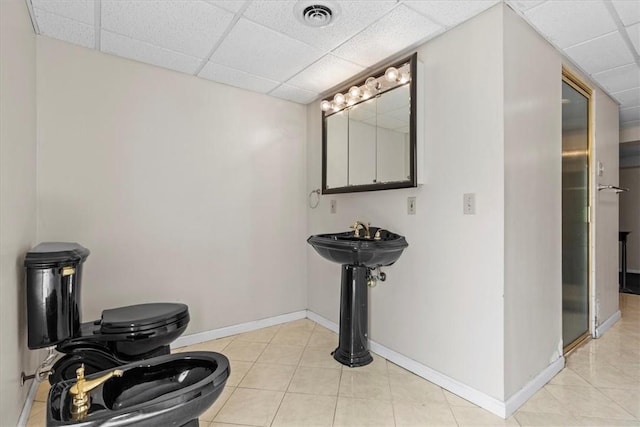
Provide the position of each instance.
(315, 13)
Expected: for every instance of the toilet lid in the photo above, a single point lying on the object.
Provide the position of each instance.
(141, 317)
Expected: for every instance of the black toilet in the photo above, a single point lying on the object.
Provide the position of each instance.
(121, 336)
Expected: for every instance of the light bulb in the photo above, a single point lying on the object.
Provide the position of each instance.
(354, 92)
(325, 105)
(366, 94)
(372, 83)
(404, 77)
(334, 106)
(352, 100)
(391, 74)
(339, 99)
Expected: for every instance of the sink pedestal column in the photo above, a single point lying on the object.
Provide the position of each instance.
(353, 348)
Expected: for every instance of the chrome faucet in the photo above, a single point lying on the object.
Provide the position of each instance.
(356, 229)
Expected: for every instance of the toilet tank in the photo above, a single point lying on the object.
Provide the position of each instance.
(53, 282)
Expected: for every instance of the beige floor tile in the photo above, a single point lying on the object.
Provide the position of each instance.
(607, 422)
(265, 376)
(263, 335)
(281, 354)
(587, 401)
(319, 357)
(568, 377)
(543, 402)
(323, 337)
(320, 381)
(305, 410)
(602, 374)
(413, 389)
(43, 392)
(37, 416)
(213, 410)
(455, 400)
(238, 370)
(394, 369)
(252, 407)
(296, 336)
(531, 419)
(362, 412)
(215, 424)
(244, 351)
(411, 415)
(213, 345)
(628, 399)
(365, 385)
(301, 324)
(479, 417)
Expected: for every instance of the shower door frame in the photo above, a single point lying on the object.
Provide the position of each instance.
(577, 84)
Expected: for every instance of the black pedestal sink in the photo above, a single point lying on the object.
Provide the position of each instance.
(358, 256)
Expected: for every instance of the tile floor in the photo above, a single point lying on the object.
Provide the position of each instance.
(284, 376)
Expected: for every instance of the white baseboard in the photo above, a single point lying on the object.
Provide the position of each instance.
(526, 392)
(604, 327)
(483, 400)
(237, 329)
(633, 271)
(28, 404)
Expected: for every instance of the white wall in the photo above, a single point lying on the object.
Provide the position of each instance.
(442, 303)
(533, 203)
(17, 198)
(630, 215)
(606, 150)
(184, 190)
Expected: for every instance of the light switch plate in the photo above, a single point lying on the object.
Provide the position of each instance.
(334, 206)
(469, 203)
(411, 205)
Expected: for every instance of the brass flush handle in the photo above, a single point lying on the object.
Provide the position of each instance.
(68, 271)
(80, 402)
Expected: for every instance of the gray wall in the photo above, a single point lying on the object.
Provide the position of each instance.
(183, 189)
(17, 198)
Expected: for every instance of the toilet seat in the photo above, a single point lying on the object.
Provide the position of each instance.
(141, 318)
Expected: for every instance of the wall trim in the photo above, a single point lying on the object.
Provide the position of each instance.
(28, 403)
(491, 404)
(630, 270)
(237, 329)
(525, 393)
(604, 327)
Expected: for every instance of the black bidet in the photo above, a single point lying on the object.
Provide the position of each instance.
(170, 390)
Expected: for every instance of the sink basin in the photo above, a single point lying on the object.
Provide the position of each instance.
(345, 248)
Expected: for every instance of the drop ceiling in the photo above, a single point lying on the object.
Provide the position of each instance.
(264, 45)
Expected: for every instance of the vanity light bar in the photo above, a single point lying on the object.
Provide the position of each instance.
(372, 86)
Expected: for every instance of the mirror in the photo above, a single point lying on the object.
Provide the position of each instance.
(369, 133)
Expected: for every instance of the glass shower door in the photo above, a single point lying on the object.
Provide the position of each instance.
(575, 214)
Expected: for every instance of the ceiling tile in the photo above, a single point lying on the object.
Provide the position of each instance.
(523, 5)
(144, 52)
(628, 98)
(237, 78)
(634, 34)
(629, 114)
(628, 11)
(78, 10)
(401, 28)
(350, 18)
(260, 51)
(450, 13)
(602, 53)
(327, 72)
(294, 94)
(189, 27)
(569, 22)
(230, 5)
(619, 79)
(61, 28)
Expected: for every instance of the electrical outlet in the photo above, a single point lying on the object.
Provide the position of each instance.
(469, 203)
(334, 206)
(411, 205)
